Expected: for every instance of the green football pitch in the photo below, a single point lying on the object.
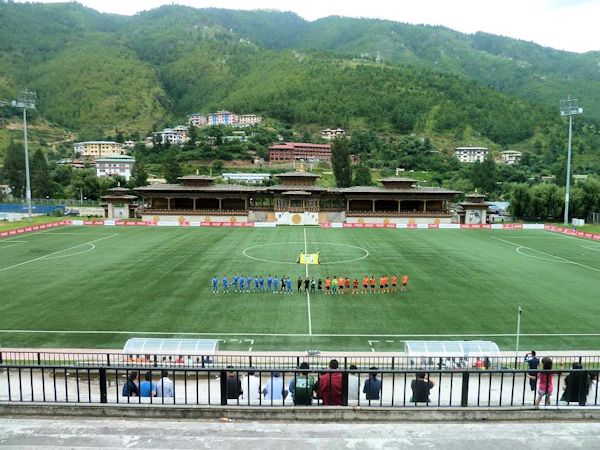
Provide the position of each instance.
(95, 287)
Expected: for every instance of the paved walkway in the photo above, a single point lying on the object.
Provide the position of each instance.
(18, 433)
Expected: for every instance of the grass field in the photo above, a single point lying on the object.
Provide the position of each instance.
(97, 286)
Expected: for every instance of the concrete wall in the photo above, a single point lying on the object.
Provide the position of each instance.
(307, 413)
(184, 218)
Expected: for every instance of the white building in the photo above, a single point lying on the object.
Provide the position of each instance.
(198, 120)
(222, 118)
(329, 135)
(249, 119)
(248, 178)
(471, 154)
(115, 165)
(97, 149)
(510, 157)
(129, 145)
(177, 135)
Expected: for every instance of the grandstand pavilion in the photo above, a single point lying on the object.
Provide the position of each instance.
(295, 200)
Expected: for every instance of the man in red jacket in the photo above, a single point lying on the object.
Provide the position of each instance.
(329, 386)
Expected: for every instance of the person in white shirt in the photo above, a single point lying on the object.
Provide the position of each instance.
(251, 386)
(353, 384)
(274, 388)
(164, 387)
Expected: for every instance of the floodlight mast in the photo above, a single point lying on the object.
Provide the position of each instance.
(569, 107)
(26, 101)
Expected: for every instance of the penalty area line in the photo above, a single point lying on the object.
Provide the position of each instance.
(307, 293)
(187, 333)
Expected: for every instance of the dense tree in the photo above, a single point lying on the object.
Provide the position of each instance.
(13, 171)
(41, 183)
(139, 175)
(484, 175)
(171, 167)
(340, 161)
(362, 176)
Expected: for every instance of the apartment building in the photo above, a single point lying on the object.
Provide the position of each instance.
(329, 135)
(115, 165)
(97, 149)
(471, 154)
(294, 151)
(510, 157)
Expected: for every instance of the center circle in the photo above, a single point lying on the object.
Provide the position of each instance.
(247, 252)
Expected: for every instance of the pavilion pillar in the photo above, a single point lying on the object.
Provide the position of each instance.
(194, 204)
(246, 203)
(347, 204)
(220, 204)
(399, 207)
(424, 205)
(373, 205)
(168, 203)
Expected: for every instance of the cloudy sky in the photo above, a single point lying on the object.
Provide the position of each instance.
(571, 25)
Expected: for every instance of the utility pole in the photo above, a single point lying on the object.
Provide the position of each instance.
(569, 107)
(26, 101)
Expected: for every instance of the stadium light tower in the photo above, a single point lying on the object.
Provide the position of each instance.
(26, 101)
(569, 107)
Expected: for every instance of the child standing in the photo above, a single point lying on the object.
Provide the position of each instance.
(545, 386)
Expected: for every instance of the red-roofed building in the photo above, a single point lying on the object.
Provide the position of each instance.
(294, 151)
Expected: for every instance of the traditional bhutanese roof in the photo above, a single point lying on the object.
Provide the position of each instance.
(118, 189)
(285, 187)
(397, 180)
(197, 177)
(382, 190)
(165, 187)
(297, 175)
(295, 193)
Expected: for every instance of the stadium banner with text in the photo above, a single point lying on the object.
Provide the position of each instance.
(34, 228)
(572, 232)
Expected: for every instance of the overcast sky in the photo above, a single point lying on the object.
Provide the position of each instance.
(572, 25)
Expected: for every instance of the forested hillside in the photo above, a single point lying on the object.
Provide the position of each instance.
(98, 75)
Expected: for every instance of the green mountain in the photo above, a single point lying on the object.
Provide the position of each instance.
(96, 74)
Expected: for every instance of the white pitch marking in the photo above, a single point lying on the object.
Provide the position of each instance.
(92, 247)
(592, 248)
(12, 245)
(185, 333)
(559, 258)
(55, 253)
(389, 341)
(307, 293)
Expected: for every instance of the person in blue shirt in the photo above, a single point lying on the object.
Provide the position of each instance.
(275, 284)
(225, 284)
(261, 283)
(215, 282)
(288, 283)
(241, 279)
(269, 283)
(234, 283)
(147, 387)
(248, 283)
(255, 283)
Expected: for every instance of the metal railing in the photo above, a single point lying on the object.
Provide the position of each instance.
(270, 387)
(219, 361)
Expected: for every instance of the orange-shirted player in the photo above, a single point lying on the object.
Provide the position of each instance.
(355, 286)
(365, 284)
(386, 283)
(372, 282)
(394, 282)
(327, 285)
(381, 284)
(341, 284)
(404, 282)
(347, 284)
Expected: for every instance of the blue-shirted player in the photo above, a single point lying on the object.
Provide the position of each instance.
(215, 282)
(275, 284)
(261, 283)
(288, 283)
(269, 283)
(248, 283)
(256, 283)
(225, 284)
(234, 282)
(241, 279)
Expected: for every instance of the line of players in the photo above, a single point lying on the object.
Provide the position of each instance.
(331, 285)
